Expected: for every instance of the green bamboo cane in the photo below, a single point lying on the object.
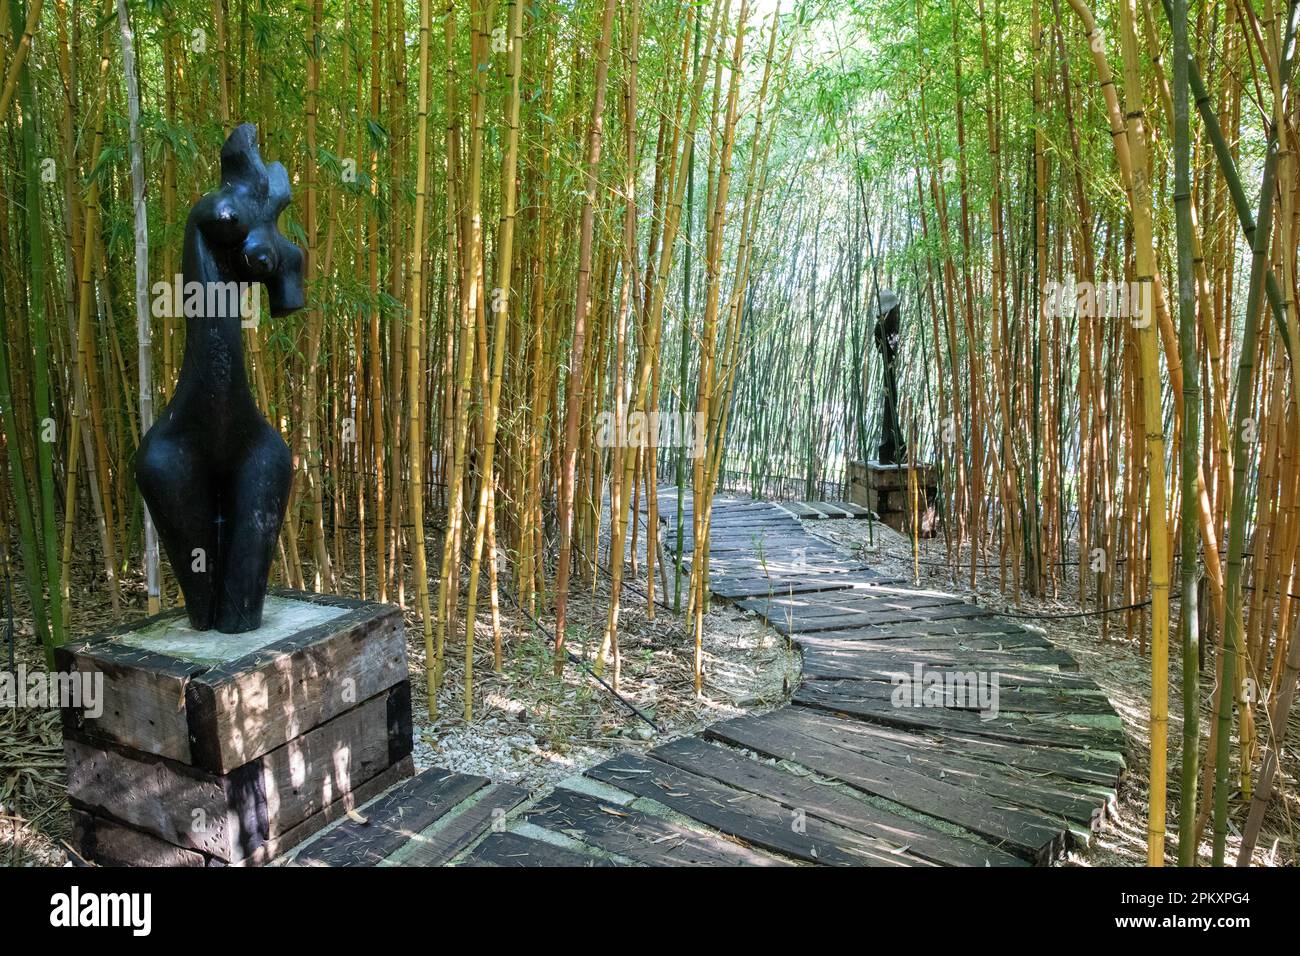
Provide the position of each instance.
(682, 407)
(1237, 520)
(41, 342)
(1237, 529)
(1257, 234)
(26, 525)
(1236, 191)
(1191, 434)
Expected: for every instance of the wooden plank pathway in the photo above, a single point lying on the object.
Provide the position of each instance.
(926, 731)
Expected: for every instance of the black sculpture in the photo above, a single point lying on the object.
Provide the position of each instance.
(214, 473)
(892, 448)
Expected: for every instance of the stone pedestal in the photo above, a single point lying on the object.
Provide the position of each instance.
(888, 490)
(216, 749)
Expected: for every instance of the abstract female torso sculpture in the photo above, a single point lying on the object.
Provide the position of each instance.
(214, 473)
(892, 448)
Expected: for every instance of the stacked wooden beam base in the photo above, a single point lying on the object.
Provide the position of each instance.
(216, 749)
(903, 496)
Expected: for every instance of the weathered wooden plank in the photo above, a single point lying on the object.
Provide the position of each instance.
(801, 565)
(820, 668)
(1098, 770)
(869, 642)
(1099, 767)
(869, 653)
(899, 477)
(247, 707)
(865, 600)
(1034, 657)
(883, 592)
(1090, 767)
(1027, 834)
(956, 627)
(143, 694)
(878, 593)
(167, 694)
(787, 573)
(512, 849)
(812, 607)
(668, 510)
(229, 816)
(829, 803)
(830, 510)
(755, 542)
(800, 509)
(750, 516)
(745, 532)
(938, 642)
(793, 624)
(1014, 789)
(854, 510)
(741, 516)
(1059, 730)
(767, 544)
(812, 621)
(832, 572)
(391, 820)
(165, 798)
(638, 836)
(807, 548)
(783, 533)
(843, 601)
(785, 583)
(964, 690)
(278, 846)
(749, 816)
(110, 843)
(446, 838)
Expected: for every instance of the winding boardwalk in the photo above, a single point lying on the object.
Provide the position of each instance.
(1001, 754)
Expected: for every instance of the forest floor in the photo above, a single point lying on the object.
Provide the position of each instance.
(1119, 667)
(532, 729)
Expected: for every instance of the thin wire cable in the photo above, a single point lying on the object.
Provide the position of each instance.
(573, 658)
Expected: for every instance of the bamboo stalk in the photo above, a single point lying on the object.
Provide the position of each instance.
(413, 360)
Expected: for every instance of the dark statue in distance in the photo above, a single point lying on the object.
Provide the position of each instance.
(213, 471)
(892, 448)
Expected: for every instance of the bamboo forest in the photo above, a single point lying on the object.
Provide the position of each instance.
(650, 432)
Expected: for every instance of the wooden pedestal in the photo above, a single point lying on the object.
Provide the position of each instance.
(216, 749)
(888, 490)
